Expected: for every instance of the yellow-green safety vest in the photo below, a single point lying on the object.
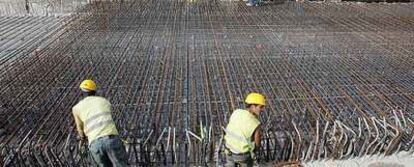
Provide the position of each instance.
(95, 114)
(239, 131)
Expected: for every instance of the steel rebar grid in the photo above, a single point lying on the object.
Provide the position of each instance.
(338, 79)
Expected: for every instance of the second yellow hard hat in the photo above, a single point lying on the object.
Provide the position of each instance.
(88, 85)
(255, 98)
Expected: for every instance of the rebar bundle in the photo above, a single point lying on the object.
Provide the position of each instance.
(39, 7)
(338, 78)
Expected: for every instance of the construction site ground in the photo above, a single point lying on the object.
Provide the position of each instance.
(338, 78)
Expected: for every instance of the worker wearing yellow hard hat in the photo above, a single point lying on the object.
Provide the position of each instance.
(243, 132)
(94, 123)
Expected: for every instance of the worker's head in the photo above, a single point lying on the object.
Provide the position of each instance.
(88, 87)
(255, 102)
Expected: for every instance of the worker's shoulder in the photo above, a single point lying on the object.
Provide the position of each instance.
(246, 115)
(239, 113)
(91, 99)
(240, 110)
(98, 97)
(75, 108)
(95, 98)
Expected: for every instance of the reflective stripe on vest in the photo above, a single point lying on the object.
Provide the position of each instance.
(98, 121)
(90, 119)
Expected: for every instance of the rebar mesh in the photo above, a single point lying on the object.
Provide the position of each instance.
(338, 78)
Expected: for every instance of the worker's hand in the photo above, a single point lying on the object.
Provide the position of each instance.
(255, 163)
(82, 144)
(125, 141)
(81, 137)
(227, 152)
(253, 157)
(81, 141)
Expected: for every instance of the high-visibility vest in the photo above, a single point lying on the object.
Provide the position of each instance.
(95, 114)
(239, 131)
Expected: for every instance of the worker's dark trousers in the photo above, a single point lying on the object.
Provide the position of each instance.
(243, 160)
(109, 151)
(254, 2)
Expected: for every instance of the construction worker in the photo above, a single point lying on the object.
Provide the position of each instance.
(94, 122)
(243, 132)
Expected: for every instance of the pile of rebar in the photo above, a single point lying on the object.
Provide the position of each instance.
(40, 7)
(338, 77)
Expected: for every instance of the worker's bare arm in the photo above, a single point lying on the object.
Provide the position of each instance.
(257, 137)
(79, 124)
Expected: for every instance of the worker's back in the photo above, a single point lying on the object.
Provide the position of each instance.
(95, 113)
(239, 131)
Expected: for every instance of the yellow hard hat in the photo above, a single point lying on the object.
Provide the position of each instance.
(255, 98)
(88, 85)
